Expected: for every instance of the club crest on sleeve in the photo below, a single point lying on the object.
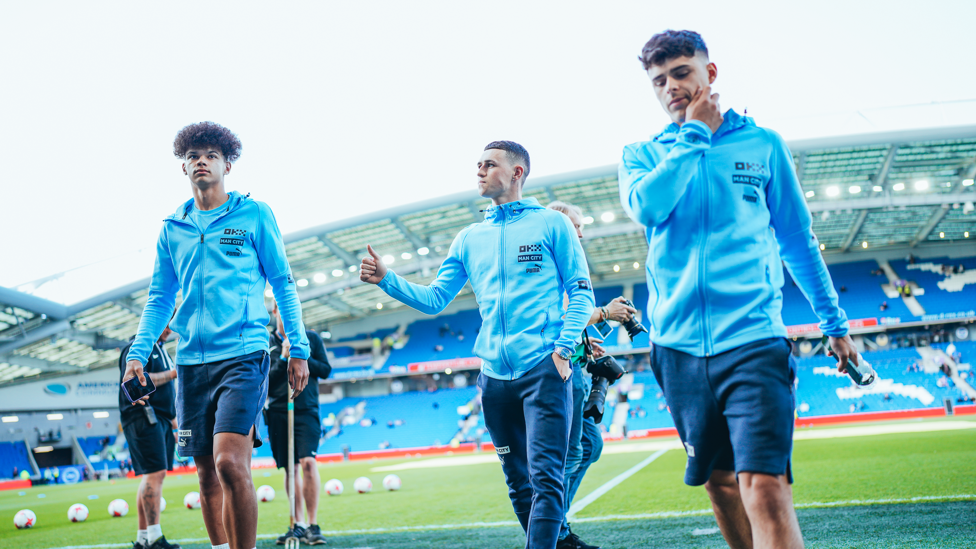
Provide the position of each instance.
(583, 284)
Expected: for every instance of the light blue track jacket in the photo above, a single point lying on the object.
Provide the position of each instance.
(222, 273)
(720, 211)
(520, 260)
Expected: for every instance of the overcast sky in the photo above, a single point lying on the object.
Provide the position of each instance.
(346, 108)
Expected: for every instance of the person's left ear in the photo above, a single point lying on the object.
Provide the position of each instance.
(227, 166)
(712, 73)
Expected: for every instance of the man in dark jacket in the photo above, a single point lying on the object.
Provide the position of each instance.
(307, 426)
(149, 432)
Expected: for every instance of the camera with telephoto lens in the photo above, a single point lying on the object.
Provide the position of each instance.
(605, 371)
(633, 326)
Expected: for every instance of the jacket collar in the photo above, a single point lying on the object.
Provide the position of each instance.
(511, 210)
(235, 200)
(732, 122)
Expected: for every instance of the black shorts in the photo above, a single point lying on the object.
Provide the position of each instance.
(307, 431)
(220, 397)
(150, 446)
(734, 411)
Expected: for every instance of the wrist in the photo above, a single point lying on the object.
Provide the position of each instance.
(563, 353)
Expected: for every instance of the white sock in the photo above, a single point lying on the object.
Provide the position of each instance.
(301, 524)
(153, 532)
(223, 546)
(140, 536)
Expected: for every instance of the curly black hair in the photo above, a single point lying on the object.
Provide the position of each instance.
(204, 134)
(514, 152)
(670, 44)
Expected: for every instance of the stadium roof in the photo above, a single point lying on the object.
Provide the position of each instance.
(902, 189)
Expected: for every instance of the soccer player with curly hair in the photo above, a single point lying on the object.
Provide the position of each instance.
(221, 249)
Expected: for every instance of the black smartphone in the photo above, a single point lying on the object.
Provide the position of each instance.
(134, 390)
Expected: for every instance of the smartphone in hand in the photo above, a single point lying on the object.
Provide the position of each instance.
(134, 390)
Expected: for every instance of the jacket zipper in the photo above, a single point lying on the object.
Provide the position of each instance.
(203, 262)
(706, 333)
(501, 297)
(202, 316)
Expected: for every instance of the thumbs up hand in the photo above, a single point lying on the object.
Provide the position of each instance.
(372, 269)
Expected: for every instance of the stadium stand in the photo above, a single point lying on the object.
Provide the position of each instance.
(864, 295)
(426, 335)
(93, 447)
(862, 299)
(430, 418)
(427, 419)
(13, 454)
(936, 299)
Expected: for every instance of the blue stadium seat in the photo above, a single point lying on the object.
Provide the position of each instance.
(13, 454)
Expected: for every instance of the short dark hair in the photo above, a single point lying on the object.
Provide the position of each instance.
(207, 134)
(670, 44)
(516, 154)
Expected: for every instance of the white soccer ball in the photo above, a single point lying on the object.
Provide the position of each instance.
(363, 485)
(192, 500)
(162, 504)
(78, 513)
(391, 483)
(266, 493)
(333, 487)
(25, 518)
(118, 508)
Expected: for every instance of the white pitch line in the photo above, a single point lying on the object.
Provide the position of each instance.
(607, 518)
(592, 496)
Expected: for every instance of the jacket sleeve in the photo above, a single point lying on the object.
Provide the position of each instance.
(574, 274)
(431, 299)
(318, 360)
(649, 193)
(798, 246)
(271, 254)
(159, 305)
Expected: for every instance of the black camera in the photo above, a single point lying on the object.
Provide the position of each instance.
(632, 326)
(605, 371)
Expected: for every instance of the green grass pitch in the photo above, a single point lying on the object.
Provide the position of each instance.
(892, 490)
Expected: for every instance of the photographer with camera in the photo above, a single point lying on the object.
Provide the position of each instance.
(585, 438)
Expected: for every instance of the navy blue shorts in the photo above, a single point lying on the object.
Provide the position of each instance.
(220, 397)
(734, 411)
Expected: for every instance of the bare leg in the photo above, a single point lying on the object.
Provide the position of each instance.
(312, 482)
(139, 509)
(232, 457)
(730, 513)
(150, 490)
(768, 500)
(211, 499)
(298, 494)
